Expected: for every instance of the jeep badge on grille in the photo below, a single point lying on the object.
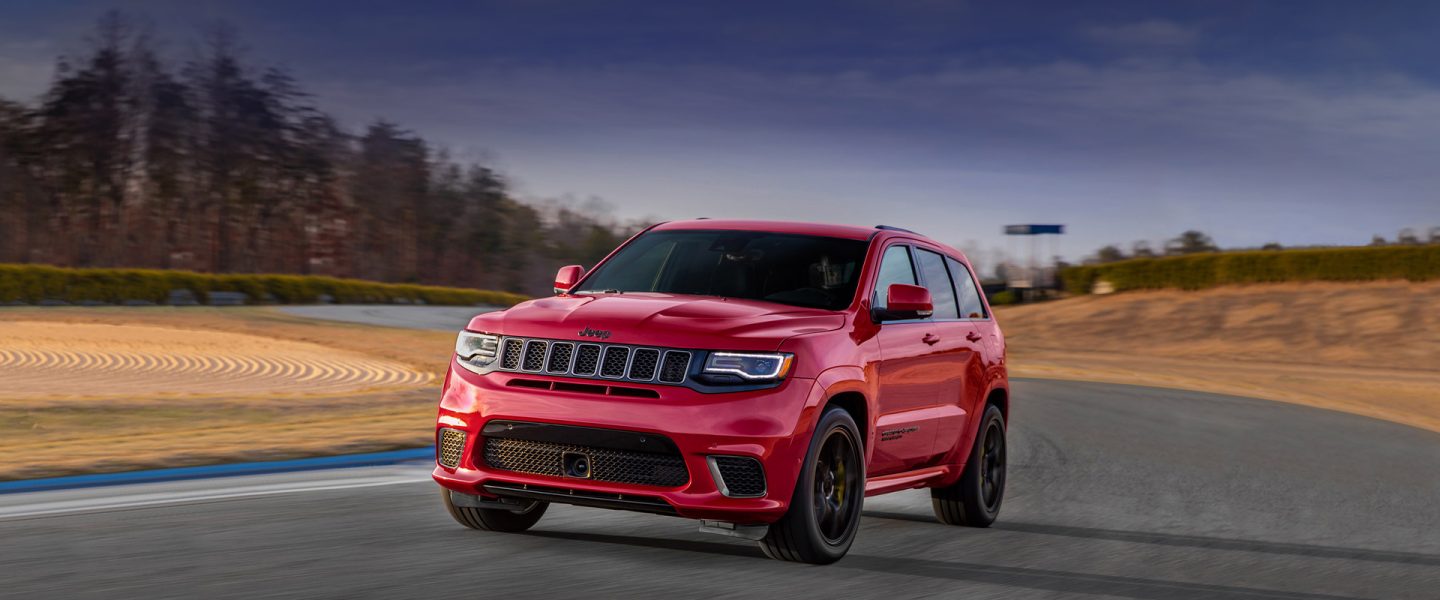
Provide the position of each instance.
(603, 334)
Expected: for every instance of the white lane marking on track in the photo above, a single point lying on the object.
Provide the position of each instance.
(158, 499)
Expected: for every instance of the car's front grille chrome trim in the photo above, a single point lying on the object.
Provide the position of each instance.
(589, 361)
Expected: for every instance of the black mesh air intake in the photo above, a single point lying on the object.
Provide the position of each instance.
(739, 476)
(534, 355)
(614, 455)
(587, 359)
(560, 353)
(614, 363)
(451, 446)
(673, 367)
(618, 466)
(642, 365)
(512, 351)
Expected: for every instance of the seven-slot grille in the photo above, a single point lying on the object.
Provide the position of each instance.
(604, 361)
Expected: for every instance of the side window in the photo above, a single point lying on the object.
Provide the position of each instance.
(970, 305)
(937, 280)
(895, 267)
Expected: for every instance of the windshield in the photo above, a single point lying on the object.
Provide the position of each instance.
(800, 270)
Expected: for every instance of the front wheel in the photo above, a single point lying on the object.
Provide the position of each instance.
(495, 519)
(974, 501)
(824, 512)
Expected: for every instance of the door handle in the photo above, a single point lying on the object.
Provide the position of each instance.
(972, 336)
(930, 338)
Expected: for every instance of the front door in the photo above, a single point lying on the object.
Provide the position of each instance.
(906, 371)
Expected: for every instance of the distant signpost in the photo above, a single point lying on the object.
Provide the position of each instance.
(1034, 277)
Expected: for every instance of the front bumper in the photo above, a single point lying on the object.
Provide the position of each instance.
(772, 426)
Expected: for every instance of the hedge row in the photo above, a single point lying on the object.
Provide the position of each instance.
(34, 284)
(1200, 271)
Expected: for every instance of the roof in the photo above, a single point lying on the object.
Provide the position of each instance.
(793, 227)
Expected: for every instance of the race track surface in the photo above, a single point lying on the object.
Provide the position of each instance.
(1115, 491)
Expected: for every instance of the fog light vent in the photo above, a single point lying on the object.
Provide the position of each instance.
(738, 476)
(452, 444)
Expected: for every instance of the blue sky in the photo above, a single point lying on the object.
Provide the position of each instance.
(1296, 122)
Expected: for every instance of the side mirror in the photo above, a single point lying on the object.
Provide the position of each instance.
(904, 301)
(567, 277)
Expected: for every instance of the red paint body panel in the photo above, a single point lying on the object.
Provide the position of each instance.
(922, 384)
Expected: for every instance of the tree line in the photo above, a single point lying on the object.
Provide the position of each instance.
(214, 164)
(1198, 242)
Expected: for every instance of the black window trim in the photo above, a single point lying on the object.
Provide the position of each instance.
(914, 249)
(909, 253)
(911, 247)
(979, 291)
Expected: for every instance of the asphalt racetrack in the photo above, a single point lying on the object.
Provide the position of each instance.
(1114, 491)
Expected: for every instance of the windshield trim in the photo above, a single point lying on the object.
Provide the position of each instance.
(855, 296)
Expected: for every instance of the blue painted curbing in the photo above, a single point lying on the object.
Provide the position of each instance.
(227, 470)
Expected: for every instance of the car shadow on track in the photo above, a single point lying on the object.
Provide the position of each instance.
(744, 551)
(1191, 541)
(1026, 578)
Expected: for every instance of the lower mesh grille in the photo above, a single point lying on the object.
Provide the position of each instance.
(739, 476)
(606, 464)
(451, 446)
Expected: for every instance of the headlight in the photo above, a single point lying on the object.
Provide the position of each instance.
(475, 351)
(749, 366)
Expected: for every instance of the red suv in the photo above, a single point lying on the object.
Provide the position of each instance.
(760, 377)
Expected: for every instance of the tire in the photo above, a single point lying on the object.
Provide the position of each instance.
(494, 519)
(824, 512)
(974, 501)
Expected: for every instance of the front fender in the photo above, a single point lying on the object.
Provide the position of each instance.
(844, 380)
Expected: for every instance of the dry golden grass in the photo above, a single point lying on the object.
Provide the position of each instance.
(1370, 348)
(345, 388)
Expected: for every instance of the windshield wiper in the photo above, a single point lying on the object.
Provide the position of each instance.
(600, 292)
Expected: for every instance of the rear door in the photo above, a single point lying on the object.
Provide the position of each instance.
(969, 361)
(956, 352)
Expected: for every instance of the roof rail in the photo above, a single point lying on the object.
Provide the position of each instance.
(893, 228)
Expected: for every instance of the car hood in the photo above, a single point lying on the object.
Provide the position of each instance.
(667, 320)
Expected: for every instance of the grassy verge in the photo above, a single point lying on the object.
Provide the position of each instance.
(34, 284)
(1204, 271)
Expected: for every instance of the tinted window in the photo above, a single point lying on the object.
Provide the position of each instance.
(800, 270)
(894, 268)
(937, 280)
(970, 306)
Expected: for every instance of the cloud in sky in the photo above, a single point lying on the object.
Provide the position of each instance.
(1155, 33)
(1124, 120)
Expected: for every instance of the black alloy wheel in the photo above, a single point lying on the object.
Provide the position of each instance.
(974, 500)
(824, 512)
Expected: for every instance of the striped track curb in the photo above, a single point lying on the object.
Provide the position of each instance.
(225, 470)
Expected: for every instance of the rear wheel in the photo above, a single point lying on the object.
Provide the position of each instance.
(495, 519)
(974, 501)
(825, 509)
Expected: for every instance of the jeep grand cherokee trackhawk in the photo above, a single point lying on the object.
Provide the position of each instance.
(760, 377)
